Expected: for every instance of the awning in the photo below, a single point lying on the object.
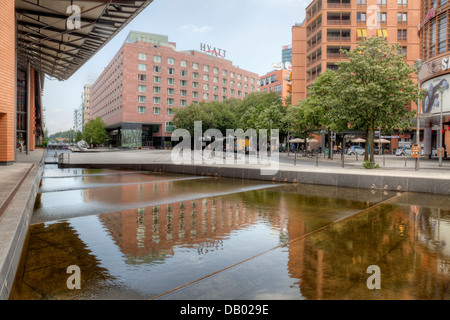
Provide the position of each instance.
(48, 38)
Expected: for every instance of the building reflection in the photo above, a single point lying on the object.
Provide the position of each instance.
(408, 243)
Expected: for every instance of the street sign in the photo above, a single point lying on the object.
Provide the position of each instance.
(415, 151)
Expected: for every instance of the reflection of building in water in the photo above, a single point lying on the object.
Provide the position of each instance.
(408, 244)
(152, 232)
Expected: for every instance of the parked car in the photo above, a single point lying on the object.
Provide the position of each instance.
(403, 151)
(356, 150)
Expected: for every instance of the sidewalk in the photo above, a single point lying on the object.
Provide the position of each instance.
(19, 184)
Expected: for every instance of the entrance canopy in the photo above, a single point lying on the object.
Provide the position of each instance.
(58, 36)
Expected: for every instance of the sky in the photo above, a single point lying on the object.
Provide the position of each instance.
(251, 31)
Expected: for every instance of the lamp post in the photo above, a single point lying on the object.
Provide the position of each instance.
(441, 90)
(418, 64)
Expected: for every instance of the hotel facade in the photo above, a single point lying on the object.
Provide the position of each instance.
(148, 78)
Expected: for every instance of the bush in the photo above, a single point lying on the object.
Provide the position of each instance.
(368, 165)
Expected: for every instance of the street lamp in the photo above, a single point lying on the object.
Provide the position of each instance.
(441, 90)
(418, 64)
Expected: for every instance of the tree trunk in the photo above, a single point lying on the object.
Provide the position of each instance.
(329, 144)
(366, 153)
(372, 157)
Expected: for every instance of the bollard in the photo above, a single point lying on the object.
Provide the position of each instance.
(406, 158)
(295, 158)
(317, 159)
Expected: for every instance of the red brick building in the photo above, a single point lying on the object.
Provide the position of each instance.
(148, 78)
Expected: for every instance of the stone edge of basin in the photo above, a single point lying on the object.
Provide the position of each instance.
(14, 225)
(432, 185)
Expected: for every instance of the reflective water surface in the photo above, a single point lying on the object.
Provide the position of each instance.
(152, 235)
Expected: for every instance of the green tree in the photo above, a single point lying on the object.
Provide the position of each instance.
(95, 130)
(374, 87)
(78, 136)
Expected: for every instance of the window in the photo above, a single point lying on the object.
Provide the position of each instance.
(142, 98)
(216, 88)
(381, 17)
(156, 89)
(156, 79)
(183, 103)
(170, 91)
(215, 97)
(402, 34)
(224, 81)
(232, 92)
(224, 90)
(169, 126)
(171, 71)
(183, 63)
(224, 73)
(142, 67)
(361, 33)
(433, 38)
(206, 68)
(402, 3)
(142, 88)
(142, 56)
(360, 17)
(195, 65)
(402, 50)
(142, 109)
(195, 75)
(381, 3)
(170, 81)
(402, 17)
(361, 3)
(442, 41)
(157, 69)
(205, 86)
(169, 111)
(183, 93)
(205, 96)
(216, 70)
(232, 83)
(382, 33)
(194, 94)
(232, 75)
(184, 73)
(216, 79)
(183, 83)
(156, 110)
(170, 101)
(205, 77)
(156, 58)
(156, 100)
(195, 85)
(142, 77)
(171, 61)
(245, 78)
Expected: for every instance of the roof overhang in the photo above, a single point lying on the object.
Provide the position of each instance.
(50, 38)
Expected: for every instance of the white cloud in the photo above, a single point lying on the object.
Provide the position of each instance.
(196, 29)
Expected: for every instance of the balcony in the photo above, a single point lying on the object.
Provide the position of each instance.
(338, 38)
(338, 4)
(338, 18)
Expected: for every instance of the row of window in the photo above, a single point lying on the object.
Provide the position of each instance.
(195, 84)
(195, 95)
(183, 92)
(435, 37)
(184, 64)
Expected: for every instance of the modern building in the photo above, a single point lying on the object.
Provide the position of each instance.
(78, 119)
(86, 103)
(435, 72)
(286, 54)
(39, 39)
(137, 92)
(277, 81)
(332, 25)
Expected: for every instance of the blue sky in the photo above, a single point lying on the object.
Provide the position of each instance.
(251, 31)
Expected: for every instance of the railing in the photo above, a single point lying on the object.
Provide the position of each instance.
(340, 21)
(337, 38)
